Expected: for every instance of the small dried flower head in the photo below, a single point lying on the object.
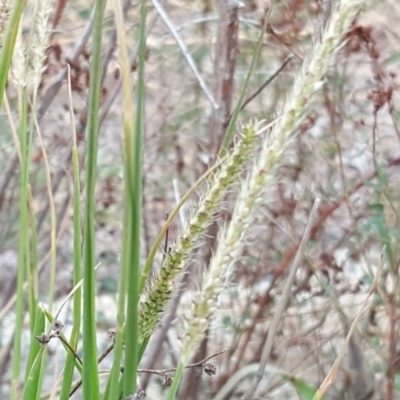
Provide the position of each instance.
(58, 327)
(167, 380)
(111, 333)
(139, 395)
(211, 367)
(43, 339)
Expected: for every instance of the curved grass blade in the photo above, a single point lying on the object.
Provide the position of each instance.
(90, 374)
(132, 257)
(70, 361)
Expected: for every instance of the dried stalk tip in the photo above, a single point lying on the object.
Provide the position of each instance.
(211, 368)
(139, 395)
(43, 339)
(167, 380)
(111, 333)
(58, 327)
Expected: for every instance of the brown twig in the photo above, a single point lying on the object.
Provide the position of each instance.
(193, 365)
(99, 360)
(266, 83)
(58, 11)
(391, 372)
(282, 303)
(161, 372)
(66, 343)
(224, 70)
(223, 85)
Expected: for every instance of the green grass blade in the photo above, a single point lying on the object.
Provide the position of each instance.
(176, 381)
(38, 329)
(135, 188)
(50, 318)
(70, 361)
(113, 385)
(304, 390)
(142, 347)
(9, 43)
(23, 246)
(32, 271)
(90, 374)
(32, 381)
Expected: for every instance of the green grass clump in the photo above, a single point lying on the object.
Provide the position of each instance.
(250, 156)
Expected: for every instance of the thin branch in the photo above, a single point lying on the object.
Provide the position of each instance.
(161, 372)
(267, 82)
(185, 52)
(193, 365)
(330, 377)
(70, 348)
(72, 56)
(276, 319)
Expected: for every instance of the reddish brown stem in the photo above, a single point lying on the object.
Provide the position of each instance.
(390, 394)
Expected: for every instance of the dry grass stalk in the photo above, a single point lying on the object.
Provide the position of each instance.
(330, 377)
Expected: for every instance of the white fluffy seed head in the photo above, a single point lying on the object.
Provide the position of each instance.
(41, 33)
(4, 17)
(18, 74)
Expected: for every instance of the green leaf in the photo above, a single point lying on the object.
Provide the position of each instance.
(379, 227)
(304, 390)
(395, 57)
(33, 368)
(90, 375)
(84, 13)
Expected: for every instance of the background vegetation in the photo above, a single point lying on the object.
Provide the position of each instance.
(199, 199)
